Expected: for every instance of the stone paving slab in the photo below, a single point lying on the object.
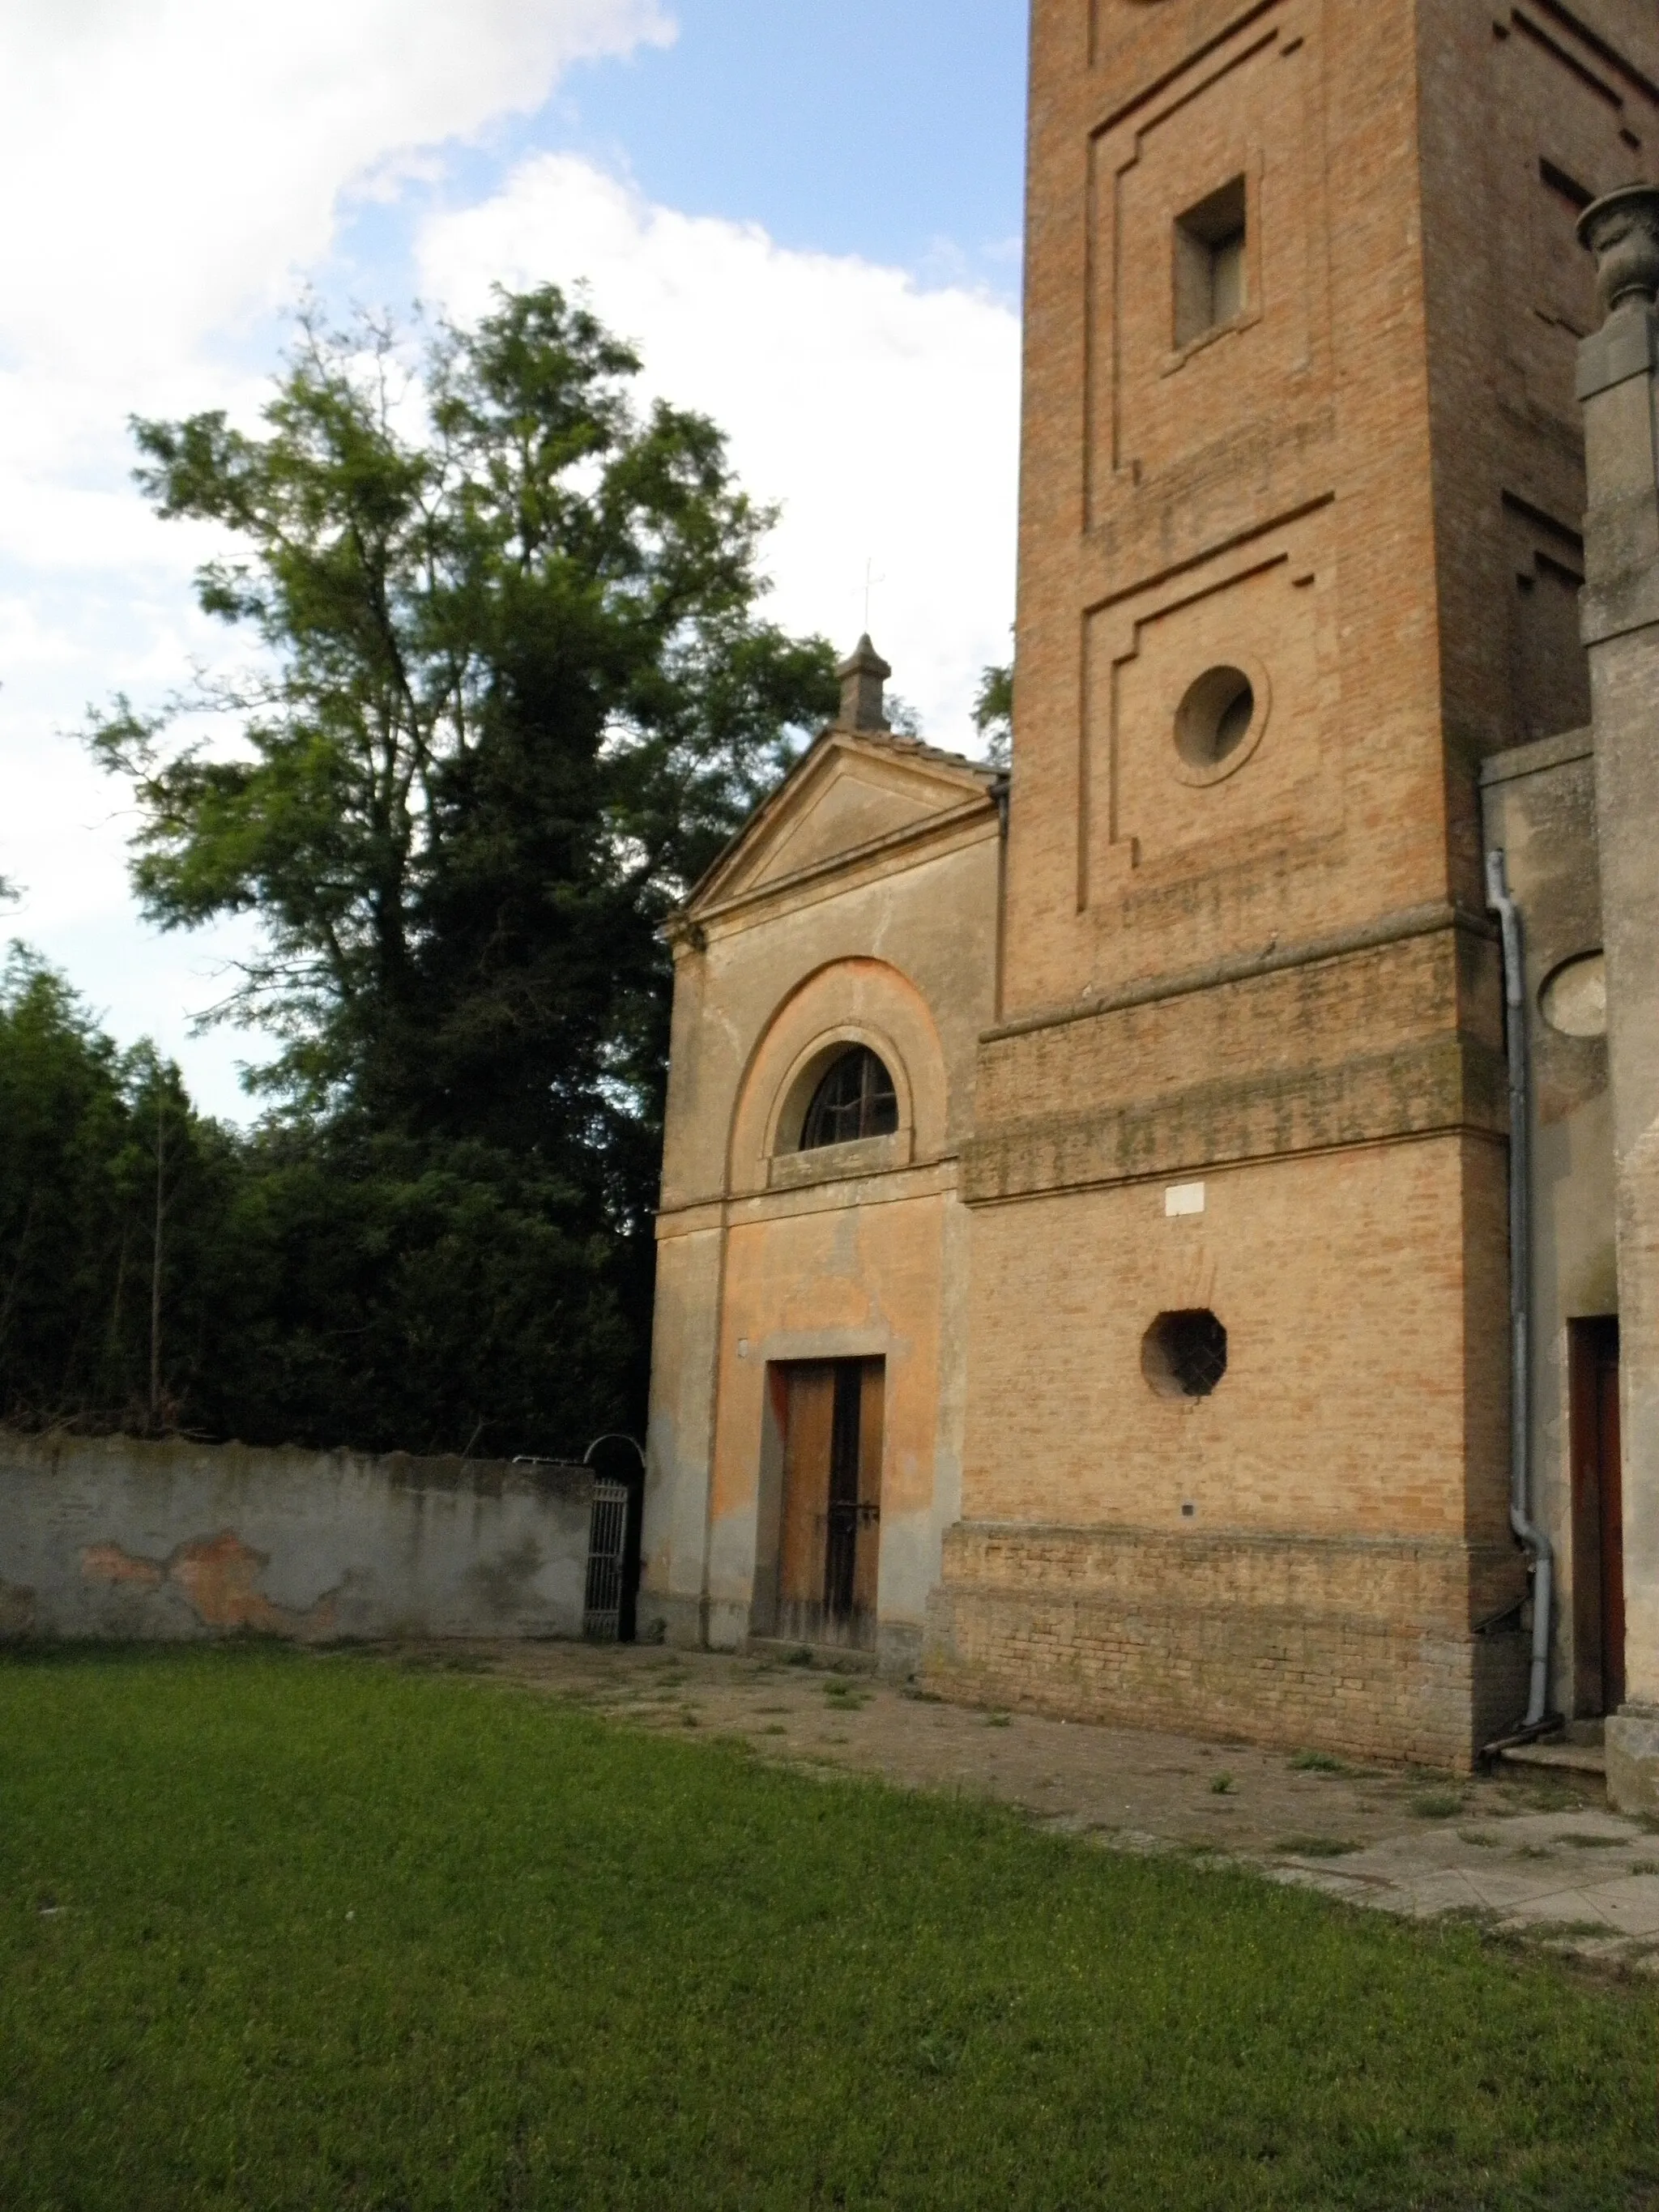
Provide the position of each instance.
(1532, 1852)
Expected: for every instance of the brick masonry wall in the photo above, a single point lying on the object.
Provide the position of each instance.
(1362, 491)
(1561, 105)
(1366, 1384)
(1366, 1648)
(1268, 494)
(1363, 1405)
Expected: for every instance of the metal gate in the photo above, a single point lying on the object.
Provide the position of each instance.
(607, 1551)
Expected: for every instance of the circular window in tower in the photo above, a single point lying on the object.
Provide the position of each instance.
(1219, 721)
(856, 1099)
(1184, 1355)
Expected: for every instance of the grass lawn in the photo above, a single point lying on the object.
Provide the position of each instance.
(299, 1931)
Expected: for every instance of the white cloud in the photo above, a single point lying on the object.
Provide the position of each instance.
(882, 415)
(166, 164)
(170, 170)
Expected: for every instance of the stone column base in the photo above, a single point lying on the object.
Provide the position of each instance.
(666, 1617)
(692, 1624)
(1632, 1739)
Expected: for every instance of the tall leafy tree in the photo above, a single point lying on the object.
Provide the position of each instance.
(510, 691)
(310, 1284)
(513, 696)
(115, 1197)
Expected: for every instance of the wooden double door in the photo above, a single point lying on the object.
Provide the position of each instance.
(832, 1414)
(1598, 1519)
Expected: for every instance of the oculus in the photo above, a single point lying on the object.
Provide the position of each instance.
(1574, 999)
(1219, 721)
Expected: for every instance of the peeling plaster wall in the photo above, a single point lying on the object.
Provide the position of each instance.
(110, 1537)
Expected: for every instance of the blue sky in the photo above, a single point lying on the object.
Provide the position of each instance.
(806, 216)
(887, 131)
(894, 135)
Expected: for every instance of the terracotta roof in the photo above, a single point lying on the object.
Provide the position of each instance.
(886, 740)
(914, 748)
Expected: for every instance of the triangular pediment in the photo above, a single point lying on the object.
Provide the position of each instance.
(848, 794)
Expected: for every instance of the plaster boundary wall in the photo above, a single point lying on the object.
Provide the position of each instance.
(112, 1538)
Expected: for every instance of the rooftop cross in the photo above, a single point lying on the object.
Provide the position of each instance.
(870, 580)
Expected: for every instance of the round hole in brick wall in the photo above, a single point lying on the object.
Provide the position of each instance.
(1214, 718)
(1184, 1355)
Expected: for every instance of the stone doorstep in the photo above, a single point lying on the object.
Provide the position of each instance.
(1574, 1758)
(1579, 1750)
(827, 1658)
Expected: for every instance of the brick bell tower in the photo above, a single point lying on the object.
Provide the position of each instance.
(1302, 488)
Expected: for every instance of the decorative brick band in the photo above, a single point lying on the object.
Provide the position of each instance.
(1252, 1066)
(1445, 1086)
(1428, 920)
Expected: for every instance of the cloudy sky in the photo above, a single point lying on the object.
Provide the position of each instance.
(803, 213)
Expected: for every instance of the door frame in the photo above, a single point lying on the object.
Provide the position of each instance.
(1597, 1491)
(769, 1611)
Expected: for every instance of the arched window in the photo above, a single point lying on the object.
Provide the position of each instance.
(856, 1099)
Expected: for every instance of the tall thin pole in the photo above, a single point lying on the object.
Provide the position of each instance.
(155, 1263)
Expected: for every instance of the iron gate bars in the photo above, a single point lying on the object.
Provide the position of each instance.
(607, 1548)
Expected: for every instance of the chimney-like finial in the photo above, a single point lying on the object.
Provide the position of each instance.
(1621, 229)
(862, 680)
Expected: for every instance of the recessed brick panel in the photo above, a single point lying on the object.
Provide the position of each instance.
(1271, 609)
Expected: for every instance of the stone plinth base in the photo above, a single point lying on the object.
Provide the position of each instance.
(666, 1617)
(696, 1624)
(1633, 1760)
(1351, 1645)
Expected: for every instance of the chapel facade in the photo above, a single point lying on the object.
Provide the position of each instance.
(1085, 1254)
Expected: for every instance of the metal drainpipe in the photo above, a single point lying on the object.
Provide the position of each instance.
(1521, 1520)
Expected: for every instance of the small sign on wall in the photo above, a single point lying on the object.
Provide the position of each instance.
(1182, 1198)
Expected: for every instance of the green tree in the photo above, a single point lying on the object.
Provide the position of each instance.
(512, 693)
(312, 1283)
(514, 697)
(394, 1295)
(115, 1194)
(994, 713)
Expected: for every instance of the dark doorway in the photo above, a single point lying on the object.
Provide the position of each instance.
(1598, 1520)
(832, 1415)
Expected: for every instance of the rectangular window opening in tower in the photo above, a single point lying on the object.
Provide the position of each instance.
(1209, 281)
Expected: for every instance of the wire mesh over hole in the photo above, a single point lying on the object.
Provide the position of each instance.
(1184, 1355)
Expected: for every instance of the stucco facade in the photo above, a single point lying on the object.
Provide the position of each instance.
(860, 909)
(1214, 1240)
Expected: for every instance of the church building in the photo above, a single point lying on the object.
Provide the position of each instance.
(1085, 1240)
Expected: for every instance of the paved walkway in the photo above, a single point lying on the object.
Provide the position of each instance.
(1536, 1854)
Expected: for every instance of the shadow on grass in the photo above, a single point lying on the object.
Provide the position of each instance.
(86, 1651)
